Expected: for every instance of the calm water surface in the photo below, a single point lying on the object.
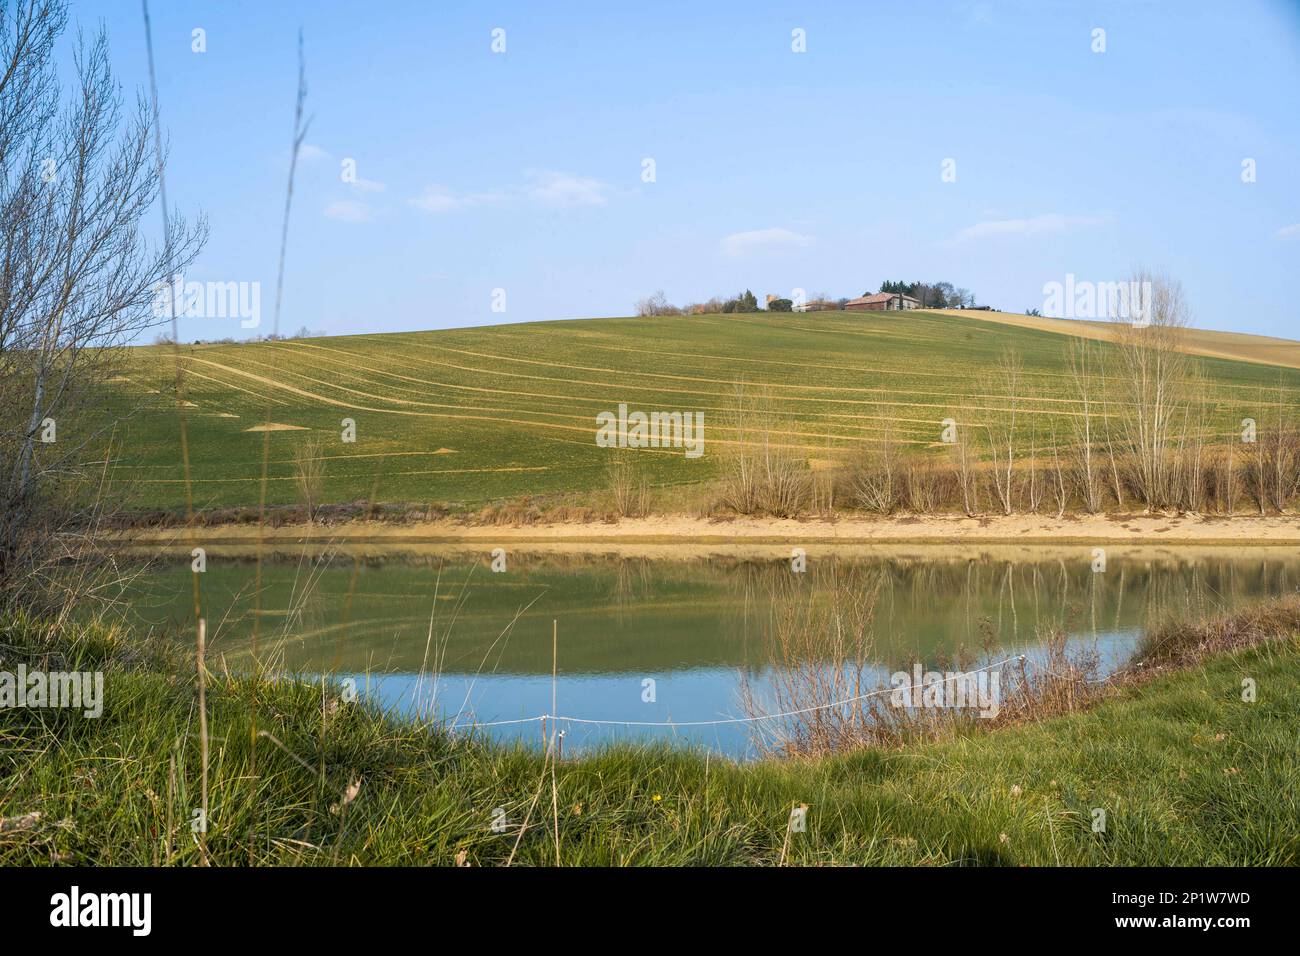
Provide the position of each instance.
(700, 627)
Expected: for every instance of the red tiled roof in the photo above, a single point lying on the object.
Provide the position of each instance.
(880, 297)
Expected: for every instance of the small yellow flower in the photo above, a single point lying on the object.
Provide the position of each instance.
(657, 798)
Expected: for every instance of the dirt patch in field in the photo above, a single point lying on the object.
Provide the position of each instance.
(276, 427)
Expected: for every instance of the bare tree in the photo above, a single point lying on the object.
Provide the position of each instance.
(309, 473)
(76, 278)
(966, 454)
(656, 304)
(1034, 487)
(1152, 371)
(1084, 375)
(1060, 489)
(1001, 429)
(876, 476)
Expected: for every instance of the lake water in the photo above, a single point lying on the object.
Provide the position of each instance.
(435, 629)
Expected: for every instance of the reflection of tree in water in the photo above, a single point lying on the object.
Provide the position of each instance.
(632, 582)
(824, 640)
(619, 613)
(931, 609)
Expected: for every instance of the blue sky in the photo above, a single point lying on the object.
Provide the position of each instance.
(774, 170)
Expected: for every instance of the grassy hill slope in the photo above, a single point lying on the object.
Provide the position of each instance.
(471, 415)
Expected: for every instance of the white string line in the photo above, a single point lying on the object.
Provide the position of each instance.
(498, 723)
(740, 720)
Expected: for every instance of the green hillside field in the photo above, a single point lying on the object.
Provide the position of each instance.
(470, 416)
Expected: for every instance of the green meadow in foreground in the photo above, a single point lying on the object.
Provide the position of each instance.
(1186, 772)
(468, 416)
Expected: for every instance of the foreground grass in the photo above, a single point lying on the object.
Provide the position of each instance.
(1186, 772)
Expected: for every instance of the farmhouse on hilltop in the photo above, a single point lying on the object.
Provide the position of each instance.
(882, 302)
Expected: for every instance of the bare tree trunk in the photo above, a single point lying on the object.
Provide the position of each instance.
(1083, 364)
(1060, 490)
(1002, 430)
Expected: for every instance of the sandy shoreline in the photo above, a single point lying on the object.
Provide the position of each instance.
(667, 530)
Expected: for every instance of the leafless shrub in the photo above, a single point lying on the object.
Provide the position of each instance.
(628, 487)
(761, 473)
(1060, 681)
(823, 492)
(1227, 482)
(820, 654)
(309, 473)
(875, 470)
(1273, 460)
(1181, 643)
(923, 484)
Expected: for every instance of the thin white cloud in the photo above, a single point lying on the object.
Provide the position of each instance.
(543, 187)
(1035, 226)
(740, 244)
(368, 185)
(309, 153)
(566, 189)
(438, 199)
(349, 210)
(1288, 232)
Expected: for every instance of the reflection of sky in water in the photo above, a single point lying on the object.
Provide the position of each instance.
(681, 697)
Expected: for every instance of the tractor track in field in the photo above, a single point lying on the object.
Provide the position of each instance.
(527, 423)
